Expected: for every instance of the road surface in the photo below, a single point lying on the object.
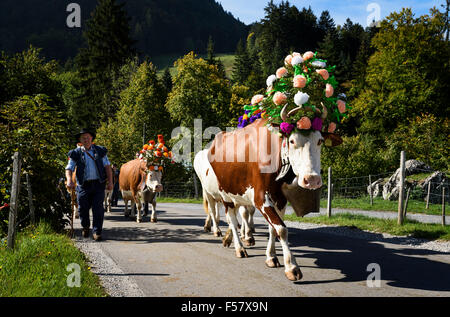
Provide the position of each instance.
(175, 257)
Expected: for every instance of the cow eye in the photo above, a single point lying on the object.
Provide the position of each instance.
(292, 142)
(320, 142)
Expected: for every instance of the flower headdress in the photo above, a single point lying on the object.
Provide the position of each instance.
(156, 154)
(300, 96)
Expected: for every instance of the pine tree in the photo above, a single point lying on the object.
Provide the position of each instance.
(167, 80)
(109, 46)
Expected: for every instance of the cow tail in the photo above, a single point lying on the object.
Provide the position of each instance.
(205, 204)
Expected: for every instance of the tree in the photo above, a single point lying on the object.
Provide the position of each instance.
(109, 46)
(199, 91)
(31, 125)
(142, 102)
(167, 80)
(407, 75)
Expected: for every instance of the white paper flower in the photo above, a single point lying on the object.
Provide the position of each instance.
(270, 80)
(296, 60)
(319, 64)
(301, 98)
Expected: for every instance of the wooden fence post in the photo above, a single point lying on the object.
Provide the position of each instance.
(329, 193)
(195, 186)
(443, 205)
(371, 190)
(30, 200)
(14, 205)
(402, 188)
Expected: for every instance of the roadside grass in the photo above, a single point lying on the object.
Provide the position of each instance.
(409, 228)
(379, 204)
(37, 267)
(180, 200)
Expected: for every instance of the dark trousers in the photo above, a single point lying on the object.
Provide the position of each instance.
(91, 195)
(115, 194)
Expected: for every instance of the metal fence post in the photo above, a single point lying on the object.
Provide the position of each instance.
(14, 206)
(443, 205)
(371, 190)
(401, 190)
(428, 195)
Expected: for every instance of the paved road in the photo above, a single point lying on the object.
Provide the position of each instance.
(174, 257)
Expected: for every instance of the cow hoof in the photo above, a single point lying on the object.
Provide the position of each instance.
(273, 262)
(226, 242)
(241, 253)
(294, 275)
(153, 220)
(207, 229)
(249, 242)
(218, 233)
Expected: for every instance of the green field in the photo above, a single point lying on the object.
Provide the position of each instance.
(164, 61)
(37, 267)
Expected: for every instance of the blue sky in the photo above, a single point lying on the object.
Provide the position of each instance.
(249, 11)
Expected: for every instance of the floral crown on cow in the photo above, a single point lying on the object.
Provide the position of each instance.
(156, 154)
(300, 96)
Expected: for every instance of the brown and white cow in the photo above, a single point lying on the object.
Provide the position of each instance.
(212, 201)
(243, 166)
(139, 184)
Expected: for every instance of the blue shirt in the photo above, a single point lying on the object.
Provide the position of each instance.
(90, 172)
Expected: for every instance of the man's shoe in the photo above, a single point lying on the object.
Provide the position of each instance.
(85, 233)
(97, 237)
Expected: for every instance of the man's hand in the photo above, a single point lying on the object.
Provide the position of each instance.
(109, 186)
(71, 185)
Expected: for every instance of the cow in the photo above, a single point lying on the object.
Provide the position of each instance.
(139, 183)
(212, 199)
(245, 168)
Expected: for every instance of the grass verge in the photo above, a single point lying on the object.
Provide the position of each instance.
(379, 204)
(180, 200)
(409, 228)
(37, 267)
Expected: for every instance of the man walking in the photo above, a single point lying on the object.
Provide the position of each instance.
(93, 169)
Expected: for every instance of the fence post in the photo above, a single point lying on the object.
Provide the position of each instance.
(14, 206)
(443, 205)
(401, 190)
(428, 194)
(371, 190)
(30, 200)
(329, 193)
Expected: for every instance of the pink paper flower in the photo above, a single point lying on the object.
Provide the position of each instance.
(299, 81)
(324, 73)
(332, 127)
(304, 123)
(257, 99)
(288, 60)
(286, 128)
(308, 55)
(279, 98)
(281, 72)
(329, 91)
(341, 106)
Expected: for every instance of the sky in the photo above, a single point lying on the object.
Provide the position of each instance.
(359, 11)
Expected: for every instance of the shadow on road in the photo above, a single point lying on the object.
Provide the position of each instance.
(399, 267)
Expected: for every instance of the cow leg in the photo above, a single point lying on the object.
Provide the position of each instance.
(246, 234)
(231, 217)
(137, 208)
(153, 219)
(251, 212)
(272, 260)
(212, 213)
(291, 269)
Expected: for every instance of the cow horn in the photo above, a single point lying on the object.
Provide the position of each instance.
(284, 115)
(294, 111)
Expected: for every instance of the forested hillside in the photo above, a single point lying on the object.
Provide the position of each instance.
(158, 26)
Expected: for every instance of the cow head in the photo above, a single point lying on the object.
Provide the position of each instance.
(304, 153)
(153, 179)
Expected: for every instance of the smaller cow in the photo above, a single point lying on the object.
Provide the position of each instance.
(140, 183)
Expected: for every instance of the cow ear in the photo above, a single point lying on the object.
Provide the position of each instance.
(332, 139)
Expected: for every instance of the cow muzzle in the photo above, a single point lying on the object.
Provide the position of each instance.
(158, 188)
(310, 182)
